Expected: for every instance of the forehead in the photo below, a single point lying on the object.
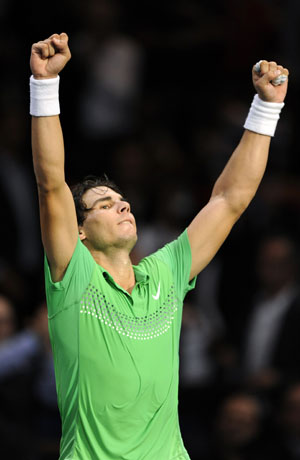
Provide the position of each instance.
(91, 195)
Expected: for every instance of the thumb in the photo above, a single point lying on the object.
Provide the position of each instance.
(61, 42)
(269, 76)
(64, 37)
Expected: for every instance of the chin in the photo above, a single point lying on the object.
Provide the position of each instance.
(127, 241)
(132, 242)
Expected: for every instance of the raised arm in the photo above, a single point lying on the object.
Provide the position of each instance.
(57, 210)
(238, 182)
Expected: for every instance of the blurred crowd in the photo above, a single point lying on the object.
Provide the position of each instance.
(155, 96)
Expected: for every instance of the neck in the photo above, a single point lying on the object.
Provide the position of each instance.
(119, 266)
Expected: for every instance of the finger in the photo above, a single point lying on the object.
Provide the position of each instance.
(272, 66)
(280, 80)
(54, 36)
(45, 50)
(264, 67)
(61, 38)
(49, 41)
(41, 48)
(282, 77)
(61, 42)
(61, 45)
(285, 72)
(36, 49)
(51, 49)
(269, 76)
(64, 37)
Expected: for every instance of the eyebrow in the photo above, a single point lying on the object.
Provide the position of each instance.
(101, 200)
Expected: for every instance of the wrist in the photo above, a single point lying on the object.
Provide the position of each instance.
(44, 96)
(42, 77)
(263, 116)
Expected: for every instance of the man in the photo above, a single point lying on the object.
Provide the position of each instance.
(114, 327)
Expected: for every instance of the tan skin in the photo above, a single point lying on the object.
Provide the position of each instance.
(231, 194)
(109, 232)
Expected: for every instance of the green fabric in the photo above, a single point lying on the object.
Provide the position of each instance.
(116, 356)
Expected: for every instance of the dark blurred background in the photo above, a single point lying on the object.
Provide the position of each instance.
(155, 96)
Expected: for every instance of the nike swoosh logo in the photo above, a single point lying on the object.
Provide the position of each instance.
(156, 296)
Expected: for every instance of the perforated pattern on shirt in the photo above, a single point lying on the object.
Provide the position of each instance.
(95, 304)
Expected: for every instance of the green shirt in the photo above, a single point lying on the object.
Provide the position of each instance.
(116, 356)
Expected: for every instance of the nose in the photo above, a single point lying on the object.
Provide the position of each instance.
(124, 207)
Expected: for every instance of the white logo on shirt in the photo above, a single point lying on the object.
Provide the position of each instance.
(156, 296)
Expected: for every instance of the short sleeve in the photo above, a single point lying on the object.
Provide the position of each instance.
(68, 291)
(177, 256)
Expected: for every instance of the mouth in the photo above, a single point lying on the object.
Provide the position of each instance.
(126, 221)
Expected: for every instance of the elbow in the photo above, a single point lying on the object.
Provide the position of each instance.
(45, 186)
(237, 199)
(235, 204)
(238, 204)
(48, 180)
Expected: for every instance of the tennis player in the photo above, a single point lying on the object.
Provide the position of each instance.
(115, 327)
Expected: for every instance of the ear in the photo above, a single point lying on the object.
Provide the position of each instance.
(81, 233)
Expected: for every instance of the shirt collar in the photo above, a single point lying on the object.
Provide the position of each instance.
(140, 276)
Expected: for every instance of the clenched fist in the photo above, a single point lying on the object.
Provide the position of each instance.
(262, 81)
(49, 57)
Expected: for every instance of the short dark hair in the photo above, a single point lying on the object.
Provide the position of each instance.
(79, 189)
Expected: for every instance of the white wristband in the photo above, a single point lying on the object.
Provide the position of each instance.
(263, 116)
(44, 100)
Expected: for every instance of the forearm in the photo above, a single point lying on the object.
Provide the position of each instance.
(241, 177)
(48, 58)
(243, 173)
(48, 152)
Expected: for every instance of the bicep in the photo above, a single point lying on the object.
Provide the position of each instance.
(58, 227)
(208, 231)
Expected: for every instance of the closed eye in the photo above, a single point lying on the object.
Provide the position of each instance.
(104, 203)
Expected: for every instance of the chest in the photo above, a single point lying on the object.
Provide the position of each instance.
(130, 341)
(145, 314)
